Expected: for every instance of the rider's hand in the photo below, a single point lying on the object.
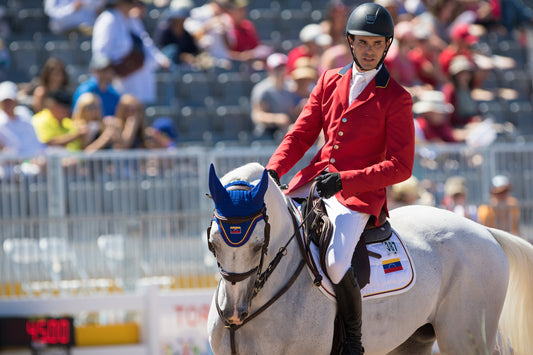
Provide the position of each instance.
(328, 184)
(274, 176)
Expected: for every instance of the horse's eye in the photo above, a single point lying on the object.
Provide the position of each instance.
(211, 248)
(257, 248)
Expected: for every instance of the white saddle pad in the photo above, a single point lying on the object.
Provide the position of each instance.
(391, 274)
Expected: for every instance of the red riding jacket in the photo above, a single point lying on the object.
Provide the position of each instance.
(370, 142)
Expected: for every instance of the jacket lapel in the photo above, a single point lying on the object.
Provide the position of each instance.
(381, 80)
(343, 86)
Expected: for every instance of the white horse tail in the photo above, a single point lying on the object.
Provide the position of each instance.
(516, 321)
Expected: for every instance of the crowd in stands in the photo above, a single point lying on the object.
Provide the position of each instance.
(445, 52)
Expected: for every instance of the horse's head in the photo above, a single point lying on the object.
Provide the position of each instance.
(239, 236)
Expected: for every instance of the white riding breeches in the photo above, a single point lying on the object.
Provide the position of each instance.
(348, 225)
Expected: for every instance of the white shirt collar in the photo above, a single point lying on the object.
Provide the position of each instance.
(359, 81)
(368, 75)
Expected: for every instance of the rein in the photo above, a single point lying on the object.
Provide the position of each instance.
(262, 276)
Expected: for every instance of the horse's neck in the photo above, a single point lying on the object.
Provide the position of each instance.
(282, 231)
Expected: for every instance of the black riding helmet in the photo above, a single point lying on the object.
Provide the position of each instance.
(370, 19)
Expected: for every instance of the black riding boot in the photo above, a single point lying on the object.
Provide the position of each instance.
(349, 308)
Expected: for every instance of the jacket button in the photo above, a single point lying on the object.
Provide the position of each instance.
(336, 146)
(332, 160)
(341, 133)
(344, 119)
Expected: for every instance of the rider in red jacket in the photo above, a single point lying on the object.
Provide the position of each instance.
(367, 121)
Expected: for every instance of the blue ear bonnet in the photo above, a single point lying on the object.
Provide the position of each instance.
(237, 203)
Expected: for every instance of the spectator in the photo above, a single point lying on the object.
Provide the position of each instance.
(336, 54)
(17, 134)
(162, 134)
(304, 77)
(515, 14)
(241, 35)
(398, 62)
(438, 19)
(313, 40)
(72, 15)
(5, 28)
(174, 40)
(503, 211)
(53, 125)
(393, 7)
(5, 60)
(461, 42)
(130, 124)
(458, 92)
(9, 90)
(273, 107)
(88, 113)
(456, 198)
(122, 38)
(53, 77)
(433, 121)
(207, 23)
(334, 24)
(425, 58)
(409, 192)
(100, 83)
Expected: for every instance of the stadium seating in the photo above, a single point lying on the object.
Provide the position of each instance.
(207, 97)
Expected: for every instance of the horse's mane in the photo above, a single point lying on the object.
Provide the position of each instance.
(249, 173)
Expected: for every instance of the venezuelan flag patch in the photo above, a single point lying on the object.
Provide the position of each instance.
(392, 265)
(237, 234)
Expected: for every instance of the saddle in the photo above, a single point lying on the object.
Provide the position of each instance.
(319, 230)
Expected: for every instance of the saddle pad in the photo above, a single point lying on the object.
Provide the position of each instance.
(392, 274)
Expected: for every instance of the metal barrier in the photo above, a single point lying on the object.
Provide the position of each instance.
(111, 221)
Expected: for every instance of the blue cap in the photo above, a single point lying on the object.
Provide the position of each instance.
(166, 125)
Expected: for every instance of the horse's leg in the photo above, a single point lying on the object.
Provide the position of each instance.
(469, 327)
(419, 343)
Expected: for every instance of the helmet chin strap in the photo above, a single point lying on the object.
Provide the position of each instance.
(389, 40)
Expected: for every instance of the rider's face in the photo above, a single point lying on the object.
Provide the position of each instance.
(368, 50)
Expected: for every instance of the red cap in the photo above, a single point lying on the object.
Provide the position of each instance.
(461, 31)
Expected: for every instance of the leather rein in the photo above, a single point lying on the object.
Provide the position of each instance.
(262, 276)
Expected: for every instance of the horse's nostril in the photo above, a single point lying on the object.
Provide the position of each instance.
(244, 315)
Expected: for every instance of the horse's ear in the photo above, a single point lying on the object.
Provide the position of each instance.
(258, 192)
(217, 190)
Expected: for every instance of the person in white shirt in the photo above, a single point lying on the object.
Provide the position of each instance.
(69, 15)
(208, 24)
(17, 134)
(116, 35)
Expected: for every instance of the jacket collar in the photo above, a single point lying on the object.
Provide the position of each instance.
(382, 77)
(381, 80)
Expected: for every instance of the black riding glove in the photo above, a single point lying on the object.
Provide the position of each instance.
(274, 176)
(328, 184)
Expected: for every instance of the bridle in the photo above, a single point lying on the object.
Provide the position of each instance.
(262, 277)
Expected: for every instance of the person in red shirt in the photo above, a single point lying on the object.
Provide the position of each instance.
(398, 63)
(241, 35)
(424, 57)
(461, 42)
(313, 40)
(367, 121)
